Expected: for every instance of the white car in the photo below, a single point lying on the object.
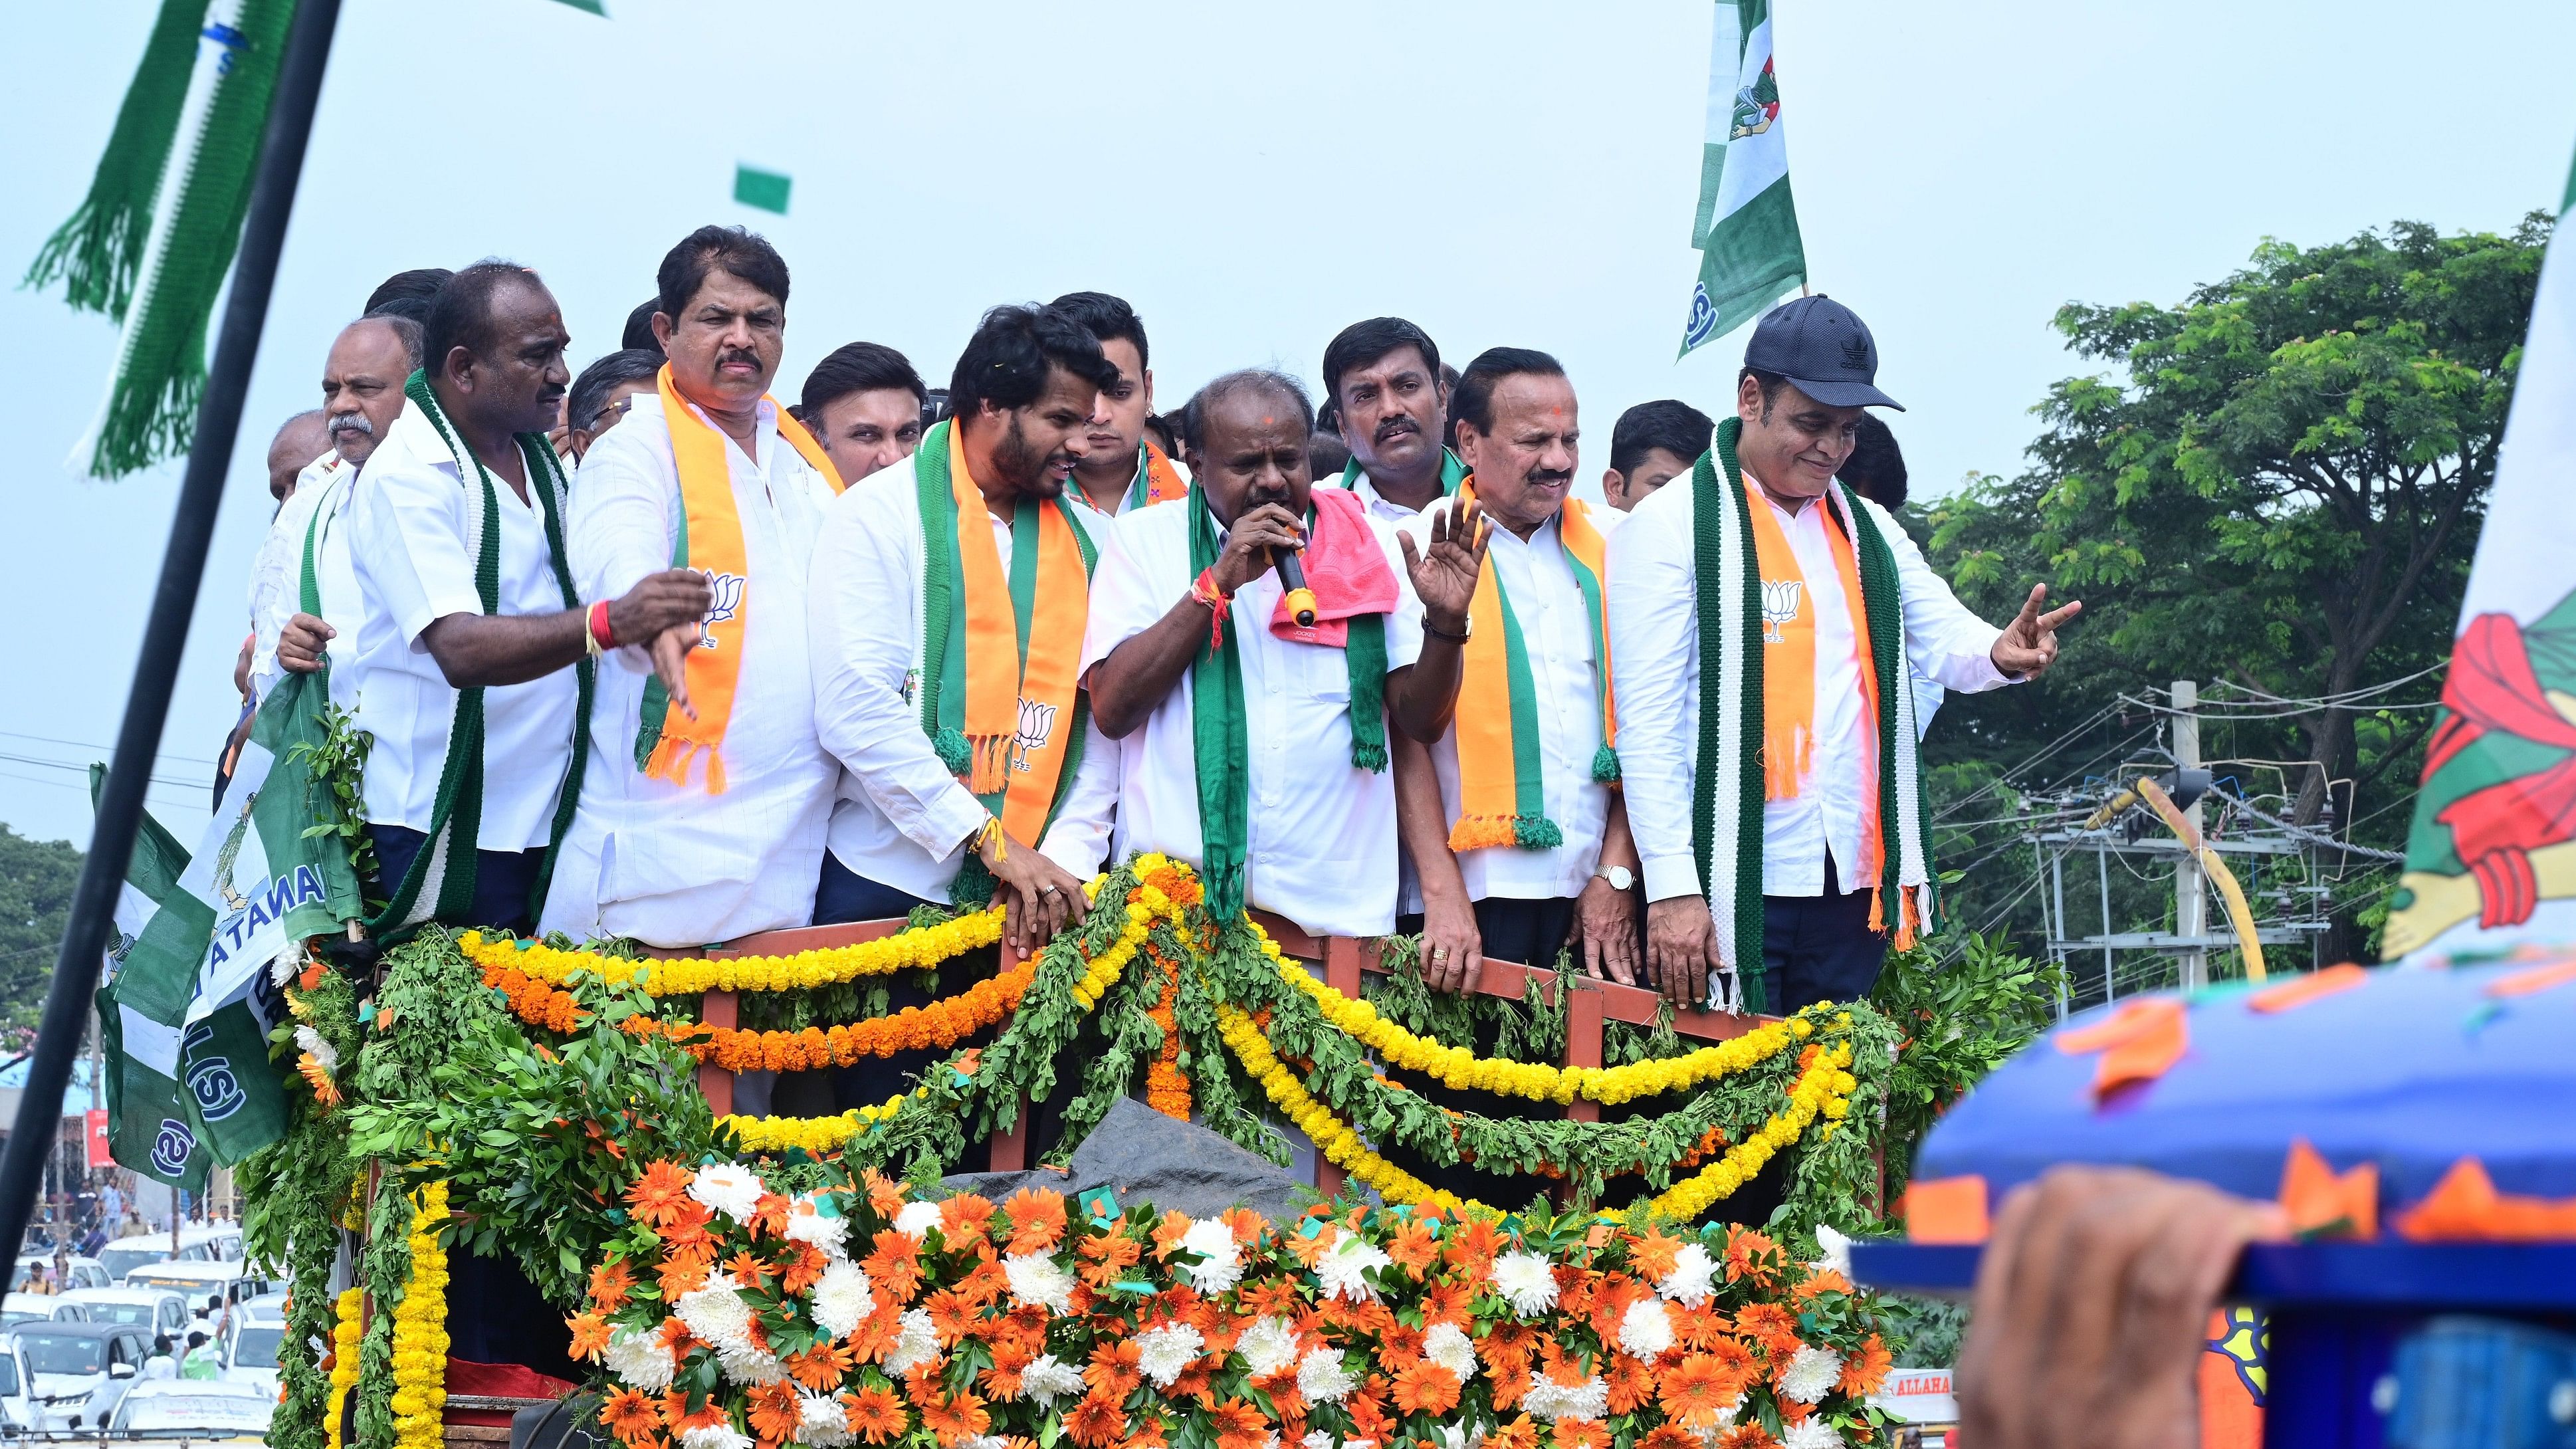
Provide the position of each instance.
(206, 1409)
(38, 1307)
(20, 1411)
(77, 1272)
(127, 1254)
(202, 1284)
(154, 1310)
(82, 1369)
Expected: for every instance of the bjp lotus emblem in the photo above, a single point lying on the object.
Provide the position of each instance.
(728, 604)
(1037, 726)
(1779, 605)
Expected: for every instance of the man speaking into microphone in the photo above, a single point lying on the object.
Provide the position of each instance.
(1251, 746)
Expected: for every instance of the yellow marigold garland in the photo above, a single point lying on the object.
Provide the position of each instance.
(816, 1135)
(420, 1331)
(689, 976)
(1331, 1135)
(1463, 1070)
(348, 1327)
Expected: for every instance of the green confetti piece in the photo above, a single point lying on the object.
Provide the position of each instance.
(763, 190)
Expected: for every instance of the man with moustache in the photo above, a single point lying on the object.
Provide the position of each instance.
(1382, 380)
(1250, 745)
(1121, 467)
(362, 393)
(704, 812)
(866, 406)
(1784, 842)
(473, 665)
(1512, 817)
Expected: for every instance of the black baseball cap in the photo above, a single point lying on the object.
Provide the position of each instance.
(1823, 347)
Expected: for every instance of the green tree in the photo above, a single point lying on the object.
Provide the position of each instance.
(2279, 490)
(36, 880)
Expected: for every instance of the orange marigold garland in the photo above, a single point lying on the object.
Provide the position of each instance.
(1166, 1090)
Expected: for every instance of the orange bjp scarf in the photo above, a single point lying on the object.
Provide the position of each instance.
(1502, 797)
(1789, 665)
(709, 540)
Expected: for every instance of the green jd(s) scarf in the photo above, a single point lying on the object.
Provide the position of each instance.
(440, 883)
(1452, 473)
(1726, 780)
(1218, 735)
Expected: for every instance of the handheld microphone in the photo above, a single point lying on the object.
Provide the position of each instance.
(1292, 582)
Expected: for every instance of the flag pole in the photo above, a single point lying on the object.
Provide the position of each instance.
(165, 633)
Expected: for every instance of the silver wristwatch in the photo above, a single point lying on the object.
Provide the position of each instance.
(1619, 876)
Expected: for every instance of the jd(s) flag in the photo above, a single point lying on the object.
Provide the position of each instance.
(1747, 227)
(2491, 862)
(186, 1015)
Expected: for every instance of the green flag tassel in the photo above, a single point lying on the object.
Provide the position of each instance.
(97, 251)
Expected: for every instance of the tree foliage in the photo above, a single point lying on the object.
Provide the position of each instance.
(36, 881)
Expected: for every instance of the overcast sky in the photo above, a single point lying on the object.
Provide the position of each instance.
(1252, 178)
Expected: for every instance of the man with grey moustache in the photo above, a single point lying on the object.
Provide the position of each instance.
(362, 393)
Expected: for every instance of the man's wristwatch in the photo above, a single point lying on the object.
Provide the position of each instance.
(1466, 629)
(1619, 876)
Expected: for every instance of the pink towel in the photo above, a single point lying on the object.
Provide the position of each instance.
(1345, 568)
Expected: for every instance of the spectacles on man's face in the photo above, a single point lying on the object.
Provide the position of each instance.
(600, 421)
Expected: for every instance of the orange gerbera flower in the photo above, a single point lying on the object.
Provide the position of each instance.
(895, 1266)
(1426, 1388)
(675, 1412)
(325, 1091)
(1864, 1371)
(658, 1195)
(952, 1315)
(1037, 1219)
(1238, 1425)
(774, 1412)
(1399, 1346)
(749, 1269)
(1654, 1252)
(1667, 1436)
(589, 1335)
(876, 1415)
(1472, 1248)
(950, 1420)
(885, 1194)
(1631, 1383)
(1308, 1251)
(1822, 1280)
(1096, 1422)
(610, 1283)
(1582, 1434)
(682, 1274)
(877, 1333)
(1769, 1325)
(1697, 1328)
(1274, 1296)
(963, 1217)
(1113, 1369)
(1506, 1350)
(631, 1416)
(806, 1268)
(1743, 1436)
(1148, 1433)
(988, 1282)
(1106, 1259)
(1520, 1433)
(822, 1367)
(1694, 1390)
(1447, 1302)
(1751, 1256)
(1736, 1361)
(1413, 1248)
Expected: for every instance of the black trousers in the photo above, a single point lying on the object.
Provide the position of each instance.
(1818, 948)
(503, 879)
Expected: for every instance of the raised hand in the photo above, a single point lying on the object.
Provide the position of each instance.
(2029, 643)
(1444, 577)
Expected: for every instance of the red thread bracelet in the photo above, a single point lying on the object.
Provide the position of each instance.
(1218, 601)
(600, 633)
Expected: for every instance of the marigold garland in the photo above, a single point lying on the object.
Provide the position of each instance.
(690, 976)
(942, 1023)
(346, 1330)
(1331, 1135)
(814, 1135)
(420, 1332)
(1166, 1090)
(1463, 1070)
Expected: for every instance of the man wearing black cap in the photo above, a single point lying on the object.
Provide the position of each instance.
(1773, 785)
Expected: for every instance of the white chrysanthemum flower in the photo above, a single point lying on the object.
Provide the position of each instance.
(1448, 1345)
(1462, 1436)
(1837, 1249)
(1526, 1282)
(640, 1360)
(749, 1365)
(1553, 1401)
(1693, 1279)
(1321, 1377)
(1811, 1433)
(1046, 1380)
(916, 1218)
(917, 1344)
(714, 1436)
(1164, 1350)
(717, 1314)
(1811, 1374)
(983, 1441)
(1221, 1265)
(821, 1421)
(1036, 1278)
(831, 1234)
(1317, 1439)
(1341, 1267)
(843, 1298)
(1268, 1346)
(1646, 1329)
(283, 966)
(322, 1051)
(729, 1188)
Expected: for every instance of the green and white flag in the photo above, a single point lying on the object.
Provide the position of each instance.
(186, 1018)
(1747, 227)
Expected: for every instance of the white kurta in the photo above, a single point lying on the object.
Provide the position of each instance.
(277, 578)
(1556, 631)
(1378, 504)
(672, 865)
(1322, 848)
(1655, 654)
(415, 530)
(902, 819)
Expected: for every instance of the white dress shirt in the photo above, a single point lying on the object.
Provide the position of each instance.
(277, 578)
(1321, 847)
(672, 865)
(1556, 632)
(1655, 654)
(902, 818)
(1378, 504)
(415, 529)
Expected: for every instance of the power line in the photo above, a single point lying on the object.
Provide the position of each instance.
(102, 749)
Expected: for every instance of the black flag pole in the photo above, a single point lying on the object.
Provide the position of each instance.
(174, 600)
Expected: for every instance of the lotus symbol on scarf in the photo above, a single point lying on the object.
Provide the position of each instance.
(1779, 605)
(728, 602)
(1037, 725)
